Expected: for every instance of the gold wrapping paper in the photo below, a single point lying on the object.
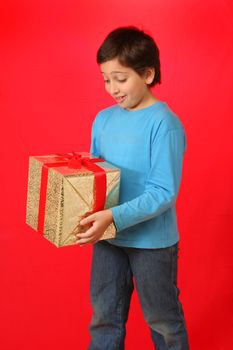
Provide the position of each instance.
(69, 198)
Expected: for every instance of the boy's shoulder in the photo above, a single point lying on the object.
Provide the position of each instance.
(168, 119)
(163, 119)
(107, 110)
(104, 113)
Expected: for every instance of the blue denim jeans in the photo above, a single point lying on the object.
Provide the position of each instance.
(115, 271)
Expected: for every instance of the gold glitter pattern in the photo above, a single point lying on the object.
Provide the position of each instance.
(69, 198)
(33, 193)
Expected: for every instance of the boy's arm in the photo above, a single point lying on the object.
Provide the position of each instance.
(162, 184)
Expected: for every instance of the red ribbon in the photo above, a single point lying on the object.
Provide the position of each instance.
(74, 161)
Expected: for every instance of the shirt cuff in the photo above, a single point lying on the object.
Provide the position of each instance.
(117, 220)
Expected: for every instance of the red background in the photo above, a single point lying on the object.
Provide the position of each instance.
(50, 92)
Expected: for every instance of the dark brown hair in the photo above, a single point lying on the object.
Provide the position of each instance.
(133, 48)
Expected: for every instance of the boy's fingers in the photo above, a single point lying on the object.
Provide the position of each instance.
(84, 241)
(87, 220)
(86, 234)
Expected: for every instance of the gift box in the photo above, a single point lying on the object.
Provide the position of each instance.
(64, 188)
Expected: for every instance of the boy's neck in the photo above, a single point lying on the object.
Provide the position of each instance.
(149, 100)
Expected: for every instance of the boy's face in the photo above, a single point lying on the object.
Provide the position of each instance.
(126, 86)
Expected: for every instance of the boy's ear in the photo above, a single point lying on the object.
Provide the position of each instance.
(149, 76)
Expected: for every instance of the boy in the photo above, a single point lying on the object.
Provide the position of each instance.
(146, 140)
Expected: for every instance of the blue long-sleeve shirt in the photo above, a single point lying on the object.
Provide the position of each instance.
(148, 146)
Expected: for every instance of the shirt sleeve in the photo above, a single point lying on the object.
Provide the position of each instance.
(162, 183)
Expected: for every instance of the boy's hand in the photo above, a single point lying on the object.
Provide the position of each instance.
(100, 221)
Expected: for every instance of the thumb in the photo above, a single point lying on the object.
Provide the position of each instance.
(87, 220)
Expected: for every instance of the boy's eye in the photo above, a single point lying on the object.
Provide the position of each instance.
(120, 81)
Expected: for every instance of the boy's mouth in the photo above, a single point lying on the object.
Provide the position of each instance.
(120, 98)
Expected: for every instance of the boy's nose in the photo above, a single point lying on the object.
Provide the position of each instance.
(114, 89)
